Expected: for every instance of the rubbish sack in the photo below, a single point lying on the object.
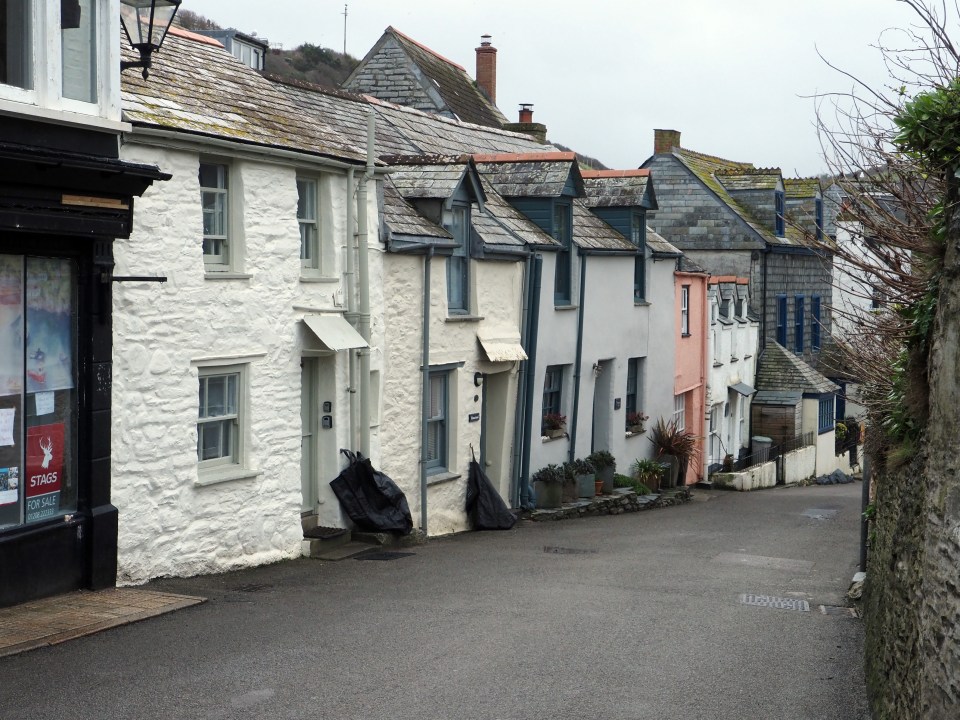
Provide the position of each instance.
(371, 499)
(485, 507)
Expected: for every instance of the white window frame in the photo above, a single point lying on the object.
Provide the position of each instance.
(308, 192)
(441, 463)
(228, 259)
(46, 71)
(237, 465)
(680, 411)
(685, 310)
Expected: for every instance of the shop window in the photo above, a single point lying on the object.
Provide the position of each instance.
(38, 389)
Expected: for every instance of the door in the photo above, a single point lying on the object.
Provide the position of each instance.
(602, 405)
(496, 420)
(308, 435)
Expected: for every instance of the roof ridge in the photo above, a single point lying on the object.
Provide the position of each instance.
(524, 157)
(713, 158)
(440, 118)
(749, 171)
(392, 29)
(314, 87)
(592, 174)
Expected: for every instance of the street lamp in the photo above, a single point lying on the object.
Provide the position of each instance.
(146, 23)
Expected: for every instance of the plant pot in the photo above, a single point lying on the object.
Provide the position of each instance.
(556, 433)
(598, 487)
(671, 471)
(586, 485)
(636, 429)
(606, 475)
(548, 494)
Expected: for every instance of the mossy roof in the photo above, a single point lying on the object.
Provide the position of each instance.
(619, 188)
(591, 232)
(797, 188)
(749, 179)
(659, 246)
(530, 174)
(402, 219)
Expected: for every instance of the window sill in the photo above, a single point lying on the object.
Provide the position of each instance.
(442, 477)
(304, 278)
(214, 477)
(641, 303)
(564, 307)
(683, 335)
(463, 318)
(548, 439)
(633, 434)
(217, 275)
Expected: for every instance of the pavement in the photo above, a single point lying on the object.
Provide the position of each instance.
(706, 610)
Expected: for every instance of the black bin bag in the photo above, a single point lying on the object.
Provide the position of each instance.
(371, 499)
(485, 507)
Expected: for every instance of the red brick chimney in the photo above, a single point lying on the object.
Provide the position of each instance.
(526, 112)
(665, 140)
(487, 68)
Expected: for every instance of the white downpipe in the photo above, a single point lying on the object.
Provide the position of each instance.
(363, 278)
(351, 313)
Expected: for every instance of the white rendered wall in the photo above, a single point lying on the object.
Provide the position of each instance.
(170, 522)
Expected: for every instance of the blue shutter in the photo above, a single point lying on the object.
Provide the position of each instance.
(815, 322)
(798, 324)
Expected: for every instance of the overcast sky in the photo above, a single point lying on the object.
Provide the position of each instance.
(734, 76)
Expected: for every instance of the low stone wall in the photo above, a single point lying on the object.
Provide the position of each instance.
(622, 500)
(800, 465)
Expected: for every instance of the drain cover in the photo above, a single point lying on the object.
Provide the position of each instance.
(383, 555)
(819, 513)
(775, 602)
(567, 551)
(838, 610)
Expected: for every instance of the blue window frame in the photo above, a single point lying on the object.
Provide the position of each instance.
(458, 264)
(798, 321)
(561, 233)
(633, 380)
(780, 224)
(815, 322)
(782, 319)
(437, 422)
(638, 235)
(825, 420)
(819, 218)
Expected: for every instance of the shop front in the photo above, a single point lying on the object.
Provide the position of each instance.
(60, 211)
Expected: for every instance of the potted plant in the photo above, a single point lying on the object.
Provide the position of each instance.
(605, 465)
(570, 490)
(647, 472)
(636, 421)
(554, 425)
(548, 486)
(675, 446)
(586, 476)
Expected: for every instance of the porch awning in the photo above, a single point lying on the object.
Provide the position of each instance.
(334, 332)
(501, 346)
(743, 389)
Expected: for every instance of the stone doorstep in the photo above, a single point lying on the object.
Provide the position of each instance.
(53, 620)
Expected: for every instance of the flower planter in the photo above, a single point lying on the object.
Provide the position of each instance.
(548, 494)
(636, 429)
(586, 485)
(556, 433)
(606, 476)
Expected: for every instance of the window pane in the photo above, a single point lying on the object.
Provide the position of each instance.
(214, 213)
(79, 47)
(216, 393)
(306, 200)
(213, 175)
(436, 397)
(16, 63)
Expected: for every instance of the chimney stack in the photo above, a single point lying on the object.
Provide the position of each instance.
(664, 141)
(526, 125)
(526, 112)
(487, 68)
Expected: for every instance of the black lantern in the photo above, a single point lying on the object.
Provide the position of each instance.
(146, 23)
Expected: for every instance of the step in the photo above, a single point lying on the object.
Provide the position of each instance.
(319, 551)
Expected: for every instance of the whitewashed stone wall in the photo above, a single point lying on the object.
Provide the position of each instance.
(799, 465)
(171, 523)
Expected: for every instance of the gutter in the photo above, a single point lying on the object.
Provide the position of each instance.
(363, 279)
(350, 315)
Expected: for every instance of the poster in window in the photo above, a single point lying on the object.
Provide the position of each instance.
(44, 474)
(11, 324)
(49, 341)
(9, 485)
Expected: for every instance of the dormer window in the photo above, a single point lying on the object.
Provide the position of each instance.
(458, 264)
(780, 222)
(561, 233)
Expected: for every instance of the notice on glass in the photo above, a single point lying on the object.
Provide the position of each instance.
(7, 417)
(9, 485)
(44, 402)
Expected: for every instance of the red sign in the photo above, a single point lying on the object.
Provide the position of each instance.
(44, 459)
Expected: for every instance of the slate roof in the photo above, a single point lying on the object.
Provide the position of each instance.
(750, 179)
(456, 88)
(402, 219)
(795, 188)
(589, 231)
(431, 176)
(507, 218)
(781, 370)
(197, 87)
(660, 247)
(619, 188)
(530, 174)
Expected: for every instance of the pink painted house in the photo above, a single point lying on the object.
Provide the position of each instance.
(690, 373)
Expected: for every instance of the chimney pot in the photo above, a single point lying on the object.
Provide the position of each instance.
(665, 140)
(487, 68)
(526, 112)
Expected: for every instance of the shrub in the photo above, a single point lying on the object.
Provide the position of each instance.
(601, 459)
(551, 474)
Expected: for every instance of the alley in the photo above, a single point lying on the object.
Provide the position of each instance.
(624, 617)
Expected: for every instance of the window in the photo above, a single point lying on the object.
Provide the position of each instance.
(218, 422)
(818, 217)
(798, 323)
(16, 51)
(552, 390)
(39, 401)
(782, 320)
(638, 235)
(680, 411)
(309, 226)
(437, 423)
(739, 308)
(561, 233)
(634, 396)
(815, 322)
(685, 310)
(780, 223)
(825, 418)
(458, 264)
(214, 189)
(78, 42)
(715, 443)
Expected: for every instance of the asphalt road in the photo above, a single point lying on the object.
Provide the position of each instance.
(626, 617)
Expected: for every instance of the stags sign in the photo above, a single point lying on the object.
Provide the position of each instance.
(44, 470)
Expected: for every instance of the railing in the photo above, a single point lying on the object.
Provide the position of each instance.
(767, 454)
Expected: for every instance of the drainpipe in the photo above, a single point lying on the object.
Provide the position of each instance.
(425, 388)
(351, 313)
(523, 436)
(363, 277)
(576, 377)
